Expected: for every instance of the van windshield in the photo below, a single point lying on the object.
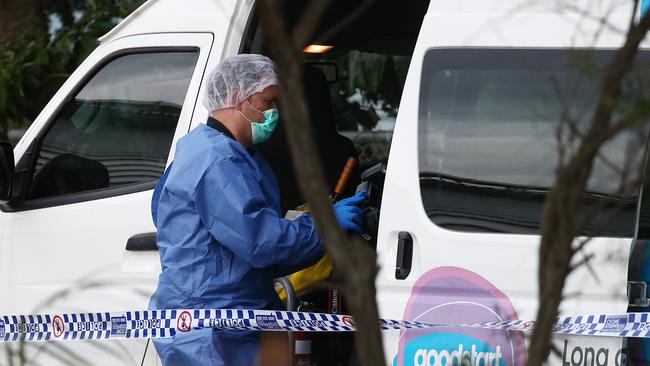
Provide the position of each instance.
(494, 124)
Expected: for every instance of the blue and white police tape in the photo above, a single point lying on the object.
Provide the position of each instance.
(168, 323)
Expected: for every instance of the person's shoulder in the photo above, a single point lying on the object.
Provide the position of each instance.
(199, 149)
(205, 142)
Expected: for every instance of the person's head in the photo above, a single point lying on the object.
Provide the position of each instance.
(241, 93)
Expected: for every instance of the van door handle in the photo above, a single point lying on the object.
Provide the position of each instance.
(637, 294)
(142, 242)
(404, 255)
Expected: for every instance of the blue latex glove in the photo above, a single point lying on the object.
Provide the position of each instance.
(349, 214)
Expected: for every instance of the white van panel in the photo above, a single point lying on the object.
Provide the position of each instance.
(543, 24)
(230, 42)
(501, 267)
(507, 8)
(72, 257)
(178, 16)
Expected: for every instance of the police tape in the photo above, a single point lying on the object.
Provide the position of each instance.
(168, 323)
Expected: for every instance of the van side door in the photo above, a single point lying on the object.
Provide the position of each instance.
(472, 158)
(79, 236)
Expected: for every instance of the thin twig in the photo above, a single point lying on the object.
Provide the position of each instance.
(558, 215)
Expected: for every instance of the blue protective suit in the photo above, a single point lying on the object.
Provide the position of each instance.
(222, 241)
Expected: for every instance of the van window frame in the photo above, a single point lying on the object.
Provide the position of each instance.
(506, 228)
(27, 163)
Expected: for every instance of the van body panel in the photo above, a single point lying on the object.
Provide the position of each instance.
(72, 257)
(507, 8)
(454, 276)
(467, 277)
(163, 16)
(543, 25)
(228, 45)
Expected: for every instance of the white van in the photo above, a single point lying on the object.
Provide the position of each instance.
(473, 148)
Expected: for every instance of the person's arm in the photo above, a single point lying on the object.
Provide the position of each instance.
(349, 215)
(155, 198)
(232, 206)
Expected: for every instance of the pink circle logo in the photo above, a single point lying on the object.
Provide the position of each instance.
(452, 295)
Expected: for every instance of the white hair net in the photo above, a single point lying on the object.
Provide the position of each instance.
(237, 78)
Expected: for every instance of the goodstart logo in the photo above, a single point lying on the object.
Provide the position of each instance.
(452, 349)
(451, 295)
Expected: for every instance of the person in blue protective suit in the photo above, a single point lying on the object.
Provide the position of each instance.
(222, 238)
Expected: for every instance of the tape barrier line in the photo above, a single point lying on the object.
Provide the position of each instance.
(168, 323)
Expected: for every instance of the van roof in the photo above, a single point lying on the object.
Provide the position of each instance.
(599, 8)
(528, 23)
(398, 35)
(163, 16)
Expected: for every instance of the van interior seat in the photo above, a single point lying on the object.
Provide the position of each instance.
(334, 148)
(69, 173)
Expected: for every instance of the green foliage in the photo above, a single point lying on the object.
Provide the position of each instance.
(377, 77)
(33, 68)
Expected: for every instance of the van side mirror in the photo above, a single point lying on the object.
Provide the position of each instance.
(7, 170)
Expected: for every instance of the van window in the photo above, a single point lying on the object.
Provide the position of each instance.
(489, 143)
(118, 128)
(366, 99)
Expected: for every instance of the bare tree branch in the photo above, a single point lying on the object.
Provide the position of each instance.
(568, 6)
(635, 9)
(352, 257)
(559, 227)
